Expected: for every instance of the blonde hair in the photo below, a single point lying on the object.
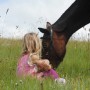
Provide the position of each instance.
(32, 43)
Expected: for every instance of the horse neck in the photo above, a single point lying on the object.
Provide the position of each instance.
(75, 17)
(59, 43)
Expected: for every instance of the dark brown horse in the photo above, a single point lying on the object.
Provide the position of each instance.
(56, 36)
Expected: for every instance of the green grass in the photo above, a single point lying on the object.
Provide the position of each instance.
(75, 68)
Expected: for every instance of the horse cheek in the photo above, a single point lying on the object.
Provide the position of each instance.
(59, 46)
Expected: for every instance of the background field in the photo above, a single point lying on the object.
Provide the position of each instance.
(75, 68)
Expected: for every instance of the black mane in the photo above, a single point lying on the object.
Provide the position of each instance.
(75, 17)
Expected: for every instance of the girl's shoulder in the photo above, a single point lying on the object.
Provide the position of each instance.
(23, 58)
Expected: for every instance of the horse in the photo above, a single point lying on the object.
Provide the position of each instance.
(56, 36)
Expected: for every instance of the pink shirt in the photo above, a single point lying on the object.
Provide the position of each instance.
(24, 69)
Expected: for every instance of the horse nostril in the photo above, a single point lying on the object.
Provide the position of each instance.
(46, 53)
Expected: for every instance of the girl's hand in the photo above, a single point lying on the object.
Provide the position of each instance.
(43, 65)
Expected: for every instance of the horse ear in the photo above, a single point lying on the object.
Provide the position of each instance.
(44, 30)
(47, 30)
(48, 26)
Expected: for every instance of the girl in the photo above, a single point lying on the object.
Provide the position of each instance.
(30, 63)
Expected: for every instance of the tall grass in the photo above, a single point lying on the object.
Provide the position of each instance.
(75, 68)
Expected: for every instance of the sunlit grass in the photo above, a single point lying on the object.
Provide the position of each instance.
(75, 68)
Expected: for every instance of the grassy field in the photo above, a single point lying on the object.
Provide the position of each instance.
(75, 68)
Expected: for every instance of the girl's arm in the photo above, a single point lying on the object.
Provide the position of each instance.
(43, 64)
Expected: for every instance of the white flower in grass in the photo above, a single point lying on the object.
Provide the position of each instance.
(21, 81)
(16, 84)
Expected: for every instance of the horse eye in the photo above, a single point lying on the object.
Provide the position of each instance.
(44, 45)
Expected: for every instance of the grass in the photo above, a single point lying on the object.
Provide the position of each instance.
(75, 68)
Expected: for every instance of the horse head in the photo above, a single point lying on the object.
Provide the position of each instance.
(56, 36)
(53, 45)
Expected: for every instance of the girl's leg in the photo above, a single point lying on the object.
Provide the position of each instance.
(51, 73)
